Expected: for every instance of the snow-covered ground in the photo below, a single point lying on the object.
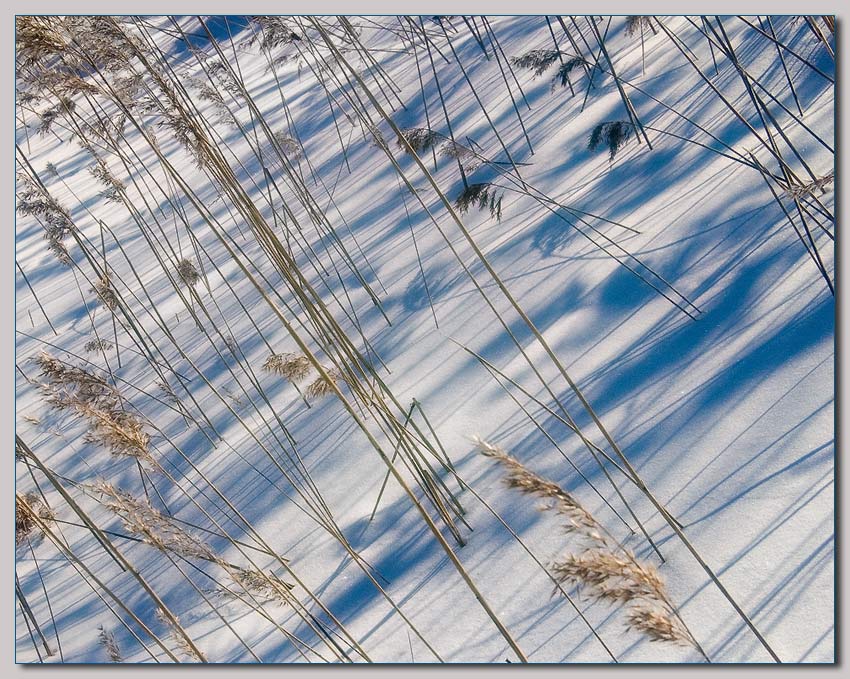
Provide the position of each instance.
(723, 402)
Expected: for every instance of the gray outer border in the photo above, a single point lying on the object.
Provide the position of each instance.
(7, 300)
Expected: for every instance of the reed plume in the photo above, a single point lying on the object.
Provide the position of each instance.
(263, 586)
(484, 196)
(222, 113)
(188, 272)
(114, 188)
(465, 155)
(103, 289)
(603, 569)
(292, 367)
(419, 138)
(636, 23)
(143, 520)
(818, 185)
(140, 518)
(537, 60)
(118, 431)
(96, 345)
(322, 386)
(613, 134)
(53, 113)
(106, 639)
(177, 638)
(33, 199)
(30, 508)
(72, 388)
(289, 146)
(38, 38)
(275, 32)
(579, 520)
(74, 380)
(562, 76)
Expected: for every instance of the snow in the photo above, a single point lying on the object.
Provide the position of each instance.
(728, 417)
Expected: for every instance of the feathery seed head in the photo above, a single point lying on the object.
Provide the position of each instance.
(293, 367)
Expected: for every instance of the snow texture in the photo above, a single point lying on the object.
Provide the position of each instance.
(719, 392)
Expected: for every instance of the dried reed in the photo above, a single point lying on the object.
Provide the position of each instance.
(188, 272)
(97, 345)
(484, 196)
(537, 60)
(613, 134)
(322, 386)
(106, 639)
(603, 569)
(177, 638)
(140, 518)
(419, 138)
(110, 425)
(103, 289)
(818, 185)
(292, 367)
(27, 508)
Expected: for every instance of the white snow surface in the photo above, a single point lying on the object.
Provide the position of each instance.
(727, 416)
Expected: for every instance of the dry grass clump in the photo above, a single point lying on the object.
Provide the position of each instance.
(29, 509)
(292, 367)
(106, 639)
(188, 272)
(106, 42)
(38, 37)
(603, 569)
